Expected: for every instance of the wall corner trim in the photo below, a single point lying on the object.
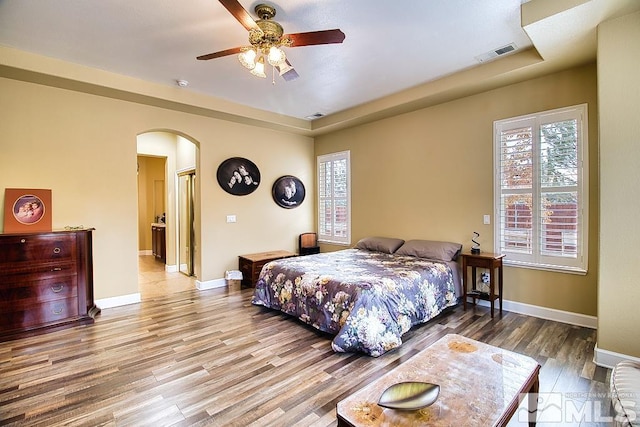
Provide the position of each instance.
(609, 359)
(210, 284)
(118, 301)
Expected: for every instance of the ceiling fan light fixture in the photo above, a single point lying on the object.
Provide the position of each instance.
(267, 38)
(258, 70)
(248, 58)
(276, 56)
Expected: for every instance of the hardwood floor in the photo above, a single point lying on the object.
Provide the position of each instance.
(212, 358)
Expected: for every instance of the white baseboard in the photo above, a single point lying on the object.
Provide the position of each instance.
(118, 301)
(145, 252)
(546, 313)
(609, 359)
(210, 284)
(171, 268)
(604, 358)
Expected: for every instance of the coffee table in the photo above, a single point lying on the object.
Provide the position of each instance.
(480, 385)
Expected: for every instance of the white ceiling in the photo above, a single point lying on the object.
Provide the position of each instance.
(389, 46)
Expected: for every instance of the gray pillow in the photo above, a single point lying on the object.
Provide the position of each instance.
(443, 251)
(387, 245)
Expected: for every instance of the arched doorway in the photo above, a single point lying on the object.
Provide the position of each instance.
(175, 155)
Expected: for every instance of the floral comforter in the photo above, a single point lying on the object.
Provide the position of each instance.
(368, 300)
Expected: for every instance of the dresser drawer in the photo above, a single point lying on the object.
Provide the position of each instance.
(27, 249)
(36, 291)
(28, 316)
(31, 271)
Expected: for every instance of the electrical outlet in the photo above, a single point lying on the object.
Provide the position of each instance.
(484, 277)
(231, 218)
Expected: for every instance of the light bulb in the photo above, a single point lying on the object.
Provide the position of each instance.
(258, 70)
(276, 56)
(248, 58)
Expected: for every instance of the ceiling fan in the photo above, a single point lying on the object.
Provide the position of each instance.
(266, 37)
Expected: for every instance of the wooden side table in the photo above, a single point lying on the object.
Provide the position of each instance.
(489, 261)
(250, 265)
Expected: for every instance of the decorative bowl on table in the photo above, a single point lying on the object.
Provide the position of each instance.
(409, 396)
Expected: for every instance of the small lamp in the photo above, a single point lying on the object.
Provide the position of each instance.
(475, 248)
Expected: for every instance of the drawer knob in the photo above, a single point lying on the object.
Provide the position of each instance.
(57, 288)
(56, 250)
(57, 310)
(56, 269)
(23, 240)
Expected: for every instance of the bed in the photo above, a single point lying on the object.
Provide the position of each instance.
(367, 296)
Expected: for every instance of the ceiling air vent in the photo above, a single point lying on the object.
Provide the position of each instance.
(497, 52)
(314, 116)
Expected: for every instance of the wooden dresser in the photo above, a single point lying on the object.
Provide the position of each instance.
(46, 282)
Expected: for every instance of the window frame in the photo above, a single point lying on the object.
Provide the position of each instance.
(538, 259)
(333, 238)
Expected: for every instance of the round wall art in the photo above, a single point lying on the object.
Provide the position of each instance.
(238, 176)
(288, 192)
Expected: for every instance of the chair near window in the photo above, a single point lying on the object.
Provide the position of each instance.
(308, 244)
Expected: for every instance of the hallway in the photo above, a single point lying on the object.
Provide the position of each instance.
(154, 281)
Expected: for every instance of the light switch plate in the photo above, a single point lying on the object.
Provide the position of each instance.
(231, 218)
(487, 219)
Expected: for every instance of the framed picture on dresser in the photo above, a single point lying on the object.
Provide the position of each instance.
(26, 210)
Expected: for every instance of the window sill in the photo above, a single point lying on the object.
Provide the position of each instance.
(332, 242)
(546, 267)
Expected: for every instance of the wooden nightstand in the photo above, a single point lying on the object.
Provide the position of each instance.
(482, 260)
(250, 265)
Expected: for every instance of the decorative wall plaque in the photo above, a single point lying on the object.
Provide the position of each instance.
(288, 192)
(238, 176)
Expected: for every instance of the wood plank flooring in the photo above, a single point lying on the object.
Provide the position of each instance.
(211, 358)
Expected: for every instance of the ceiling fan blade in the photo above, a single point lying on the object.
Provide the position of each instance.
(316, 37)
(287, 72)
(239, 12)
(220, 54)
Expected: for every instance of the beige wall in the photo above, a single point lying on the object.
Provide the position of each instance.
(619, 96)
(151, 172)
(83, 147)
(428, 174)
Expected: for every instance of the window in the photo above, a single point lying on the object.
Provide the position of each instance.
(334, 198)
(541, 189)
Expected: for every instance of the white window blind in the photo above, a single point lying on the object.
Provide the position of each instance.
(334, 194)
(541, 188)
